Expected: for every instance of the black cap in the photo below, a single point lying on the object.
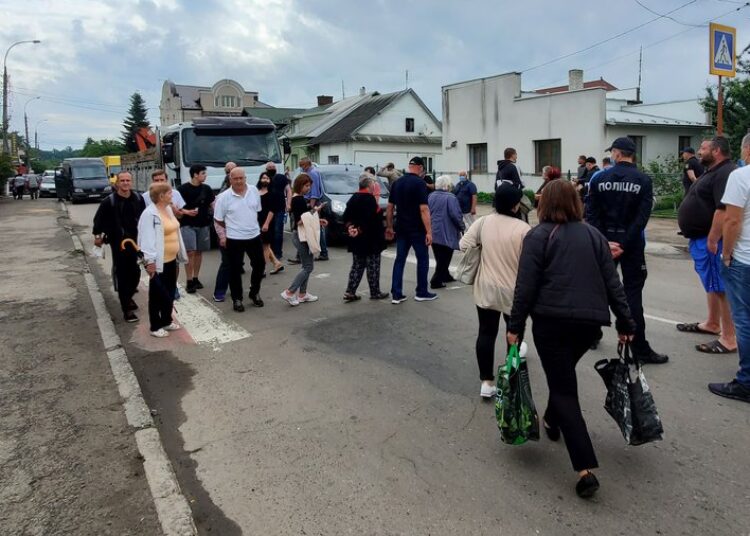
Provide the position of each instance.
(507, 196)
(416, 161)
(688, 150)
(624, 144)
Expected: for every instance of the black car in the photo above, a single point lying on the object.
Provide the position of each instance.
(340, 181)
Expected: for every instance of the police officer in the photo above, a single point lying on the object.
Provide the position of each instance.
(619, 205)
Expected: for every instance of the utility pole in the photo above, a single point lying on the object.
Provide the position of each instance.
(28, 147)
(720, 110)
(640, 71)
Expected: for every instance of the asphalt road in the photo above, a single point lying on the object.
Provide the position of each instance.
(364, 418)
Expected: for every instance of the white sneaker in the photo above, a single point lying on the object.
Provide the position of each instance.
(161, 332)
(291, 299)
(488, 391)
(174, 326)
(308, 298)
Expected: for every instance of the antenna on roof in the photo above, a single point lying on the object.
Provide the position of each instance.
(640, 71)
(407, 79)
(343, 95)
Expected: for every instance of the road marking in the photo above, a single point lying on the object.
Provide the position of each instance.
(411, 259)
(204, 322)
(660, 319)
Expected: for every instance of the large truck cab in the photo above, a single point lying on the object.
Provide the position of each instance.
(249, 142)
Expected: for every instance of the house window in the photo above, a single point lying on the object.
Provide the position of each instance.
(409, 124)
(225, 101)
(638, 140)
(685, 141)
(478, 158)
(546, 153)
(333, 159)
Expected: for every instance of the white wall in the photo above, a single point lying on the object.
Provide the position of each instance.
(657, 141)
(377, 154)
(392, 120)
(489, 111)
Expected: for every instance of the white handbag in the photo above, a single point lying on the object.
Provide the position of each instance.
(468, 266)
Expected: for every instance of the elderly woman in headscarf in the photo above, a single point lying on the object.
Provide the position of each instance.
(447, 226)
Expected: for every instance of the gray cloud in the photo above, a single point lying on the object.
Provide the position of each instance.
(96, 53)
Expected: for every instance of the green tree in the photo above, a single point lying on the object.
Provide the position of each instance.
(105, 147)
(736, 102)
(135, 119)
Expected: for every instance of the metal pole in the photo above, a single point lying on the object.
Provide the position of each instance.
(720, 111)
(5, 148)
(28, 148)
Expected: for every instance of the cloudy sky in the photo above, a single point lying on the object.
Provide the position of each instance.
(95, 54)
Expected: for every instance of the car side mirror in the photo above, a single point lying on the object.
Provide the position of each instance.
(287, 145)
(167, 153)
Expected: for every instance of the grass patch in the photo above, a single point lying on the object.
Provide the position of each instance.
(667, 213)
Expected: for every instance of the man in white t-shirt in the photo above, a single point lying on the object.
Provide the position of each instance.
(736, 272)
(236, 210)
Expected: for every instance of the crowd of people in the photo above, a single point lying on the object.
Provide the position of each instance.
(562, 273)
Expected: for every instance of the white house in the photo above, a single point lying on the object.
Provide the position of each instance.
(554, 126)
(369, 129)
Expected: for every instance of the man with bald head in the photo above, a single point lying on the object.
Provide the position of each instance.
(280, 186)
(236, 210)
(466, 193)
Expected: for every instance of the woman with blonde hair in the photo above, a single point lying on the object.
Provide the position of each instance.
(160, 241)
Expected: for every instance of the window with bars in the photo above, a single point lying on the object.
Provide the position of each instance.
(547, 153)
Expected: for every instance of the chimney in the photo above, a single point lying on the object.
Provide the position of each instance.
(324, 99)
(575, 79)
(362, 91)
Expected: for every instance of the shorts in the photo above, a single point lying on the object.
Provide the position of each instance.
(707, 265)
(196, 238)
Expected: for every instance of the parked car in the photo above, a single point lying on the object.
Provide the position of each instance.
(340, 181)
(47, 188)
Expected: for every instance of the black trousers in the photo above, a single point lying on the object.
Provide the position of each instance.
(633, 265)
(560, 345)
(443, 256)
(489, 326)
(161, 296)
(128, 274)
(237, 250)
(359, 264)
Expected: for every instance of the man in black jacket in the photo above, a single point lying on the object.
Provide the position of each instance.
(116, 219)
(507, 171)
(619, 205)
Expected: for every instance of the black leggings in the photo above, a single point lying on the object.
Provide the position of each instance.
(443, 256)
(560, 345)
(489, 326)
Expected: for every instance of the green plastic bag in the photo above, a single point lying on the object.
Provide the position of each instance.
(514, 405)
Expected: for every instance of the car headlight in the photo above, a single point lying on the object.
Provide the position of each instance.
(338, 207)
(78, 190)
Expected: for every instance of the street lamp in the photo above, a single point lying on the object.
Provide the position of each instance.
(26, 120)
(5, 90)
(36, 139)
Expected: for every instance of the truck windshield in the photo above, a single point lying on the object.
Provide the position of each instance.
(243, 147)
(91, 171)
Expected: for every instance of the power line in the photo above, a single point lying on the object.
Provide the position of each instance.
(666, 16)
(608, 39)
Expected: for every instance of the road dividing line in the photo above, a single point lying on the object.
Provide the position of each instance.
(660, 319)
(203, 321)
(411, 259)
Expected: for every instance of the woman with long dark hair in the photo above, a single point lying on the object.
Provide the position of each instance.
(269, 200)
(567, 283)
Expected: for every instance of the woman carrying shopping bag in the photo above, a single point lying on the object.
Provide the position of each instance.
(499, 237)
(567, 283)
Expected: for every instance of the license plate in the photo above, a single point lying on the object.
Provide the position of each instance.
(94, 195)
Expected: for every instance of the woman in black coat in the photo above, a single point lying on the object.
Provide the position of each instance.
(364, 223)
(567, 282)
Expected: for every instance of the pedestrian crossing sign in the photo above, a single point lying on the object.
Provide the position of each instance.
(723, 58)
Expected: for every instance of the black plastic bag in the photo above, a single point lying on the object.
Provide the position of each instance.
(629, 400)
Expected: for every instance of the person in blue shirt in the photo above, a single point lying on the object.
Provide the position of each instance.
(313, 197)
(412, 229)
(619, 206)
(466, 193)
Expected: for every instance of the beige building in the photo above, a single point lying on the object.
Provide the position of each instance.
(225, 98)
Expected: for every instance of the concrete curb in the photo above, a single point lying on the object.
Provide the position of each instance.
(172, 507)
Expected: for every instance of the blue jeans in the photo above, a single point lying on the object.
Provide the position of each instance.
(278, 234)
(737, 281)
(404, 242)
(222, 274)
